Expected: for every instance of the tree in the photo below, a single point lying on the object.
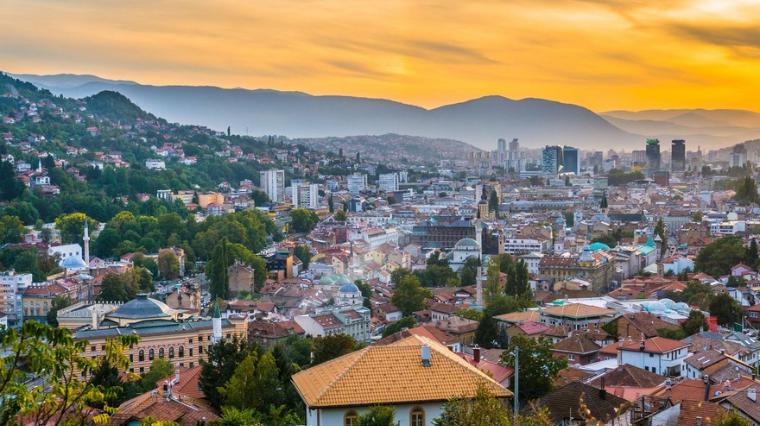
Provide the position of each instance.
(303, 253)
(115, 288)
(251, 385)
(469, 272)
(66, 390)
(603, 203)
(340, 216)
(58, 303)
(377, 416)
(718, 257)
(11, 229)
(746, 191)
(697, 216)
(726, 309)
(493, 202)
(326, 348)
(487, 333)
(483, 410)
(71, 227)
(517, 279)
(303, 220)
(224, 255)
(409, 296)
(538, 365)
(395, 327)
(10, 187)
(732, 418)
(232, 416)
(695, 323)
(168, 264)
(752, 256)
(223, 359)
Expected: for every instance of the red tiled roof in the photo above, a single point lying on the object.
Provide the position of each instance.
(656, 345)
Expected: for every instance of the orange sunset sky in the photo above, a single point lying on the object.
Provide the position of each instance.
(618, 54)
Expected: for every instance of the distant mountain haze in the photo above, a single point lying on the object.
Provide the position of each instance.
(479, 122)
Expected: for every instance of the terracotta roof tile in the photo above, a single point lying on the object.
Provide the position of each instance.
(577, 310)
(391, 374)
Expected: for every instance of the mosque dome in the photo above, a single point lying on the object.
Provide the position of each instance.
(466, 244)
(72, 262)
(142, 307)
(349, 288)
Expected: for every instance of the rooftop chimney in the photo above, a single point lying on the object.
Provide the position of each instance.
(425, 355)
(706, 380)
(602, 392)
(476, 354)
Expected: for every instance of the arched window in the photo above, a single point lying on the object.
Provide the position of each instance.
(417, 417)
(181, 351)
(151, 354)
(141, 355)
(350, 418)
(171, 352)
(160, 352)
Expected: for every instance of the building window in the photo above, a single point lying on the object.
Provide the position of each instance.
(571, 357)
(200, 349)
(171, 352)
(181, 352)
(200, 338)
(191, 351)
(131, 358)
(141, 355)
(417, 417)
(160, 352)
(350, 419)
(151, 354)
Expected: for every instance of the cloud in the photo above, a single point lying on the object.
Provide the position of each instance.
(725, 35)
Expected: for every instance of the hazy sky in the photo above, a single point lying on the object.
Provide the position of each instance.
(617, 54)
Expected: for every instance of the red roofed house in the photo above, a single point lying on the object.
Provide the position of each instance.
(657, 354)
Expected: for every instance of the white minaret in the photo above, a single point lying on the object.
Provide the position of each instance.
(39, 165)
(216, 324)
(86, 239)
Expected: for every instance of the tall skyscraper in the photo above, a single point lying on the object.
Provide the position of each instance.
(653, 156)
(273, 184)
(739, 155)
(552, 159)
(571, 160)
(514, 156)
(678, 155)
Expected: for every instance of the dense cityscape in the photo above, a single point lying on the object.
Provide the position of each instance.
(156, 273)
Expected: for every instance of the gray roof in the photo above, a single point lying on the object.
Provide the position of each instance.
(141, 307)
(148, 328)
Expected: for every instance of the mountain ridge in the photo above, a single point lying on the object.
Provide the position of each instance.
(479, 121)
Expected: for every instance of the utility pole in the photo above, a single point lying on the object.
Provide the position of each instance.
(517, 381)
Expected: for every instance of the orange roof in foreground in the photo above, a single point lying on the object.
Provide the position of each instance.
(391, 374)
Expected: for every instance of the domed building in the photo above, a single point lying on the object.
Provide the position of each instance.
(349, 295)
(142, 308)
(463, 250)
(162, 331)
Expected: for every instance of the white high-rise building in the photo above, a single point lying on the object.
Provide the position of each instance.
(388, 182)
(12, 286)
(273, 184)
(513, 156)
(306, 195)
(356, 183)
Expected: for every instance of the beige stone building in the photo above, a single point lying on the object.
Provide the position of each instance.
(161, 333)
